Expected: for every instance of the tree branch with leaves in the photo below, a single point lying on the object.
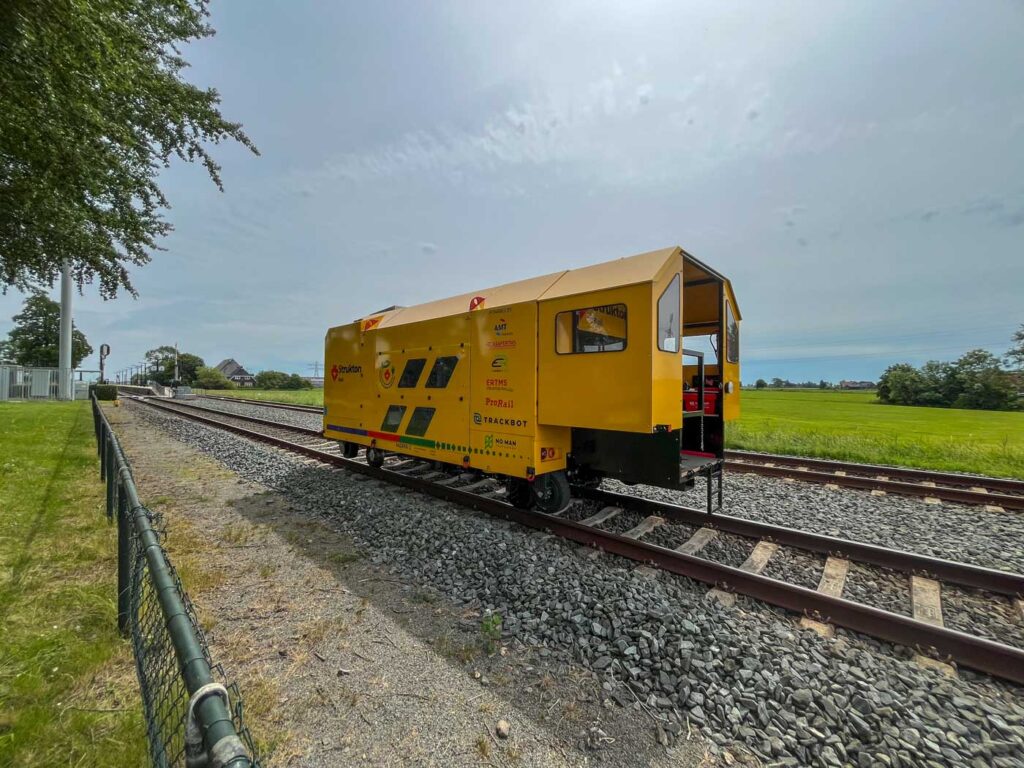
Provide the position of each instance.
(94, 107)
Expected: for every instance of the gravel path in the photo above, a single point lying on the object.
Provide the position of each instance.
(747, 678)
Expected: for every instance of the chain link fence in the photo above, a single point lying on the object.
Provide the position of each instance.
(194, 718)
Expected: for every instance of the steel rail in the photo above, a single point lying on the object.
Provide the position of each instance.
(255, 419)
(950, 571)
(904, 473)
(267, 403)
(978, 653)
(899, 488)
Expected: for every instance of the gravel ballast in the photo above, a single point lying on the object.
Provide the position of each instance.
(741, 676)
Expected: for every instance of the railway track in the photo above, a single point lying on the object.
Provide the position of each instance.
(824, 606)
(994, 492)
(1003, 493)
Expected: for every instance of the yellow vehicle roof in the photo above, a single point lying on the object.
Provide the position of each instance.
(642, 268)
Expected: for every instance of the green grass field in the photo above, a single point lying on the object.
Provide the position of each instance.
(854, 426)
(851, 426)
(68, 693)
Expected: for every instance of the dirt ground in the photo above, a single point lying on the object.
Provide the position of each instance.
(341, 662)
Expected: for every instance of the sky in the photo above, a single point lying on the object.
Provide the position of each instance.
(855, 168)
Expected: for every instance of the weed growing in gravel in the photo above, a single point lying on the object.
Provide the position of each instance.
(490, 629)
(236, 533)
(483, 746)
(343, 558)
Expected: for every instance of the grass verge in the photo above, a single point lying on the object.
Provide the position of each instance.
(295, 396)
(67, 680)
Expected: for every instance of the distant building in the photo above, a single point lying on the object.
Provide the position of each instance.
(316, 381)
(234, 371)
(844, 384)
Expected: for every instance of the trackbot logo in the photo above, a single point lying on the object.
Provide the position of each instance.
(479, 418)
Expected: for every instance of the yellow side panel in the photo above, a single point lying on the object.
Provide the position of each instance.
(600, 390)
(503, 392)
(348, 379)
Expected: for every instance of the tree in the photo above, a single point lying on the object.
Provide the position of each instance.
(94, 106)
(35, 338)
(777, 383)
(162, 360)
(271, 380)
(1015, 357)
(211, 378)
(981, 382)
(823, 384)
(901, 384)
(760, 384)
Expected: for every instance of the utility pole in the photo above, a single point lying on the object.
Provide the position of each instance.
(65, 389)
(176, 373)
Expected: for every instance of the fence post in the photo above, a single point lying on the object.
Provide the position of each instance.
(124, 562)
(101, 438)
(112, 478)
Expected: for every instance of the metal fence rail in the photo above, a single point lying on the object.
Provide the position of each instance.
(193, 718)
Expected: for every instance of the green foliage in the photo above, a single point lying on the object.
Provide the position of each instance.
(281, 380)
(854, 426)
(761, 384)
(1015, 357)
(975, 381)
(211, 378)
(490, 631)
(94, 107)
(35, 338)
(161, 361)
(105, 392)
(271, 379)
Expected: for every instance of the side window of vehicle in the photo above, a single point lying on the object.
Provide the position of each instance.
(441, 372)
(732, 335)
(594, 329)
(411, 372)
(668, 317)
(393, 418)
(420, 421)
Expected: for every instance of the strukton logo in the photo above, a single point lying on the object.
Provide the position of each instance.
(387, 373)
(346, 368)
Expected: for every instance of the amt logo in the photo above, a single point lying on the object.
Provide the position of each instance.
(501, 328)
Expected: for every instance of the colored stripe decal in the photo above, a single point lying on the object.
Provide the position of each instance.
(390, 437)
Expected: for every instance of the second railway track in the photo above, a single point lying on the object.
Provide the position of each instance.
(1004, 493)
(824, 604)
(994, 492)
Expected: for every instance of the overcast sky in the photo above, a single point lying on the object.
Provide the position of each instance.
(857, 170)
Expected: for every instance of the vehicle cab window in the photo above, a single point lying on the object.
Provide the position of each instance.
(668, 317)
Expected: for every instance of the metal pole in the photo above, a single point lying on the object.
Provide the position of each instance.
(64, 388)
(176, 373)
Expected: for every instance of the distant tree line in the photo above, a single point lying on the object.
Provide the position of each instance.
(778, 383)
(34, 341)
(978, 380)
(281, 380)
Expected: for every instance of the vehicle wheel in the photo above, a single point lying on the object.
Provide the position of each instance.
(520, 494)
(375, 457)
(552, 492)
(349, 450)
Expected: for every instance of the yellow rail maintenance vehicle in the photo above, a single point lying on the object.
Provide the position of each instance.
(552, 382)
